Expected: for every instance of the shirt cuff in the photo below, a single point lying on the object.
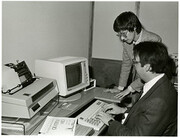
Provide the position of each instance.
(131, 89)
(110, 122)
(120, 88)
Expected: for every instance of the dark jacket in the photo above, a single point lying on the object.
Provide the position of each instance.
(155, 114)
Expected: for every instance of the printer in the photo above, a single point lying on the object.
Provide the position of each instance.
(30, 97)
(28, 101)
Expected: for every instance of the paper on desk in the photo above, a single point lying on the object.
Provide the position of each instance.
(59, 126)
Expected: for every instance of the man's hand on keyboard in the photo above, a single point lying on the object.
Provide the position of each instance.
(104, 117)
(113, 109)
(122, 94)
(113, 90)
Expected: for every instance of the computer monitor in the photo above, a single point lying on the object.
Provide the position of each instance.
(71, 74)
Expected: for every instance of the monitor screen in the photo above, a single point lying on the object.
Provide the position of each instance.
(73, 74)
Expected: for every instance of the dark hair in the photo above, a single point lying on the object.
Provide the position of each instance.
(155, 54)
(127, 21)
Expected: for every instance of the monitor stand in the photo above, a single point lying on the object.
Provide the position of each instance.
(71, 98)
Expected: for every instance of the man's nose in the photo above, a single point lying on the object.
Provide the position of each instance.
(122, 38)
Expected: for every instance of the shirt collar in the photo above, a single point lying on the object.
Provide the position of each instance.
(148, 85)
(139, 39)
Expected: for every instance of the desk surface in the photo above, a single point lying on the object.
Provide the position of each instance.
(70, 109)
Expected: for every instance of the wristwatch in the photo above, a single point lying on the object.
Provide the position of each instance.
(120, 88)
(110, 122)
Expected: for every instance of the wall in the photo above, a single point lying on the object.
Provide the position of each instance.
(159, 17)
(163, 20)
(105, 42)
(32, 30)
(106, 72)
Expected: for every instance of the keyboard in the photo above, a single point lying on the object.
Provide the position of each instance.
(88, 116)
(107, 96)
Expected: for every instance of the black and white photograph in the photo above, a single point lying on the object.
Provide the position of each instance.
(89, 68)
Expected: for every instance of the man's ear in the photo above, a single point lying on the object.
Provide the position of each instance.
(147, 67)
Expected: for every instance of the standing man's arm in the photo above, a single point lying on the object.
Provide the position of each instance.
(136, 85)
(125, 68)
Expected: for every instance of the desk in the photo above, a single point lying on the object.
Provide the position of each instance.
(61, 110)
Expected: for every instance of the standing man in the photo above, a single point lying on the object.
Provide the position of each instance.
(155, 113)
(130, 31)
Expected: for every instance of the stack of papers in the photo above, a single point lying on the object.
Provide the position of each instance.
(59, 126)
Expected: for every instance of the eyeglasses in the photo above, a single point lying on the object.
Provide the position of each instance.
(123, 33)
(135, 62)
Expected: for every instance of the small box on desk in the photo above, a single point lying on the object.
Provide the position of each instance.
(92, 84)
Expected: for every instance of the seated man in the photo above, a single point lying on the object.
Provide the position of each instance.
(155, 113)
